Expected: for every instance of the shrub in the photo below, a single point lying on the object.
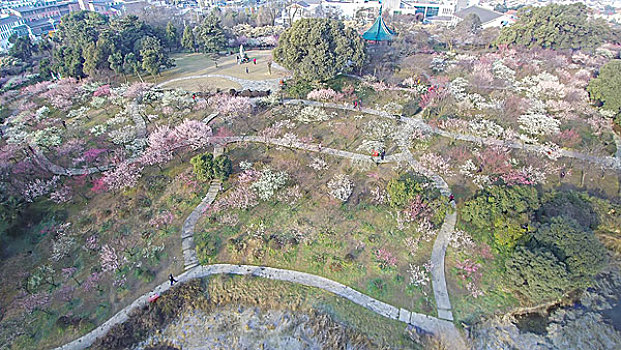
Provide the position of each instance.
(207, 168)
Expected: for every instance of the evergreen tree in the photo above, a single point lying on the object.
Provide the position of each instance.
(172, 38)
(211, 35)
(556, 27)
(152, 56)
(606, 88)
(188, 41)
(319, 49)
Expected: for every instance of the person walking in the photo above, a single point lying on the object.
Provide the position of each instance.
(383, 154)
(246, 70)
(237, 59)
(172, 279)
(254, 60)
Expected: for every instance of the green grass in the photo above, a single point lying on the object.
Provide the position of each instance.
(190, 64)
(318, 234)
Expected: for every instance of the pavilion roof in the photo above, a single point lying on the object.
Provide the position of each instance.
(379, 31)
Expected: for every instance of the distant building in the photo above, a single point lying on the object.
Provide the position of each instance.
(40, 18)
(488, 17)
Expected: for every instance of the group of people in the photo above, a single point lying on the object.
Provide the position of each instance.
(245, 59)
(358, 105)
(381, 154)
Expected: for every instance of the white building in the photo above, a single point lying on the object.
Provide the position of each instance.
(488, 17)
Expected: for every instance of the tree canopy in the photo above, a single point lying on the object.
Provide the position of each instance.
(556, 27)
(319, 49)
(210, 35)
(606, 88)
(560, 256)
(90, 43)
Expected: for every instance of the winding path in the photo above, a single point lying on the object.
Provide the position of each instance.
(440, 327)
(445, 330)
(603, 161)
(438, 278)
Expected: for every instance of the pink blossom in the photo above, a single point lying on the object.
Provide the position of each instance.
(163, 219)
(568, 138)
(91, 243)
(62, 195)
(417, 209)
(467, 268)
(228, 105)
(68, 272)
(35, 301)
(495, 160)
(62, 94)
(101, 91)
(92, 154)
(99, 185)
(323, 95)
(385, 258)
(91, 281)
(137, 90)
(124, 175)
(37, 88)
(201, 104)
(193, 133)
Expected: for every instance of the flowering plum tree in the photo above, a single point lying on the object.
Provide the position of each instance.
(231, 106)
(125, 175)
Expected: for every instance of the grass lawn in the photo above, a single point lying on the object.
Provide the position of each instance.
(204, 84)
(191, 64)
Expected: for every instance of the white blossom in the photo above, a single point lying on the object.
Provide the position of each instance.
(268, 183)
(341, 187)
(539, 124)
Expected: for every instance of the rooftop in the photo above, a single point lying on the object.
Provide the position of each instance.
(484, 14)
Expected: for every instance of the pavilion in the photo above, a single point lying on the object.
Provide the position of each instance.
(379, 31)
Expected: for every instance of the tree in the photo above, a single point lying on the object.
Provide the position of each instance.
(116, 63)
(556, 27)
(559, 257)
(207, 168)
(152, 56)
(575, 246)
(537, 275)
(319, 49)
(131, 65)
(606, 88)
(187, 40)
(468, 29)
(172, 38)
(211, 35)
(22, 47)
(45, 69)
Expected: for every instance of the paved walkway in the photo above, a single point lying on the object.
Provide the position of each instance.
(141, 125)
(603, 161)
(187, 231)
(438, 278)
(445, 330)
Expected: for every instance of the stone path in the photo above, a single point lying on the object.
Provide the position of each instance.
(141, 125)
(307, 147)
(438, 278)
(187, 231)
(603, 161)
(445, 330)
(246, 84)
